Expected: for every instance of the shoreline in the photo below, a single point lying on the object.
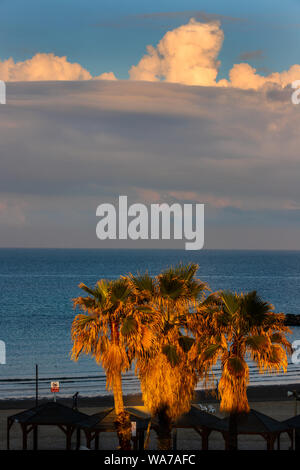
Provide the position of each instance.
(258, 393)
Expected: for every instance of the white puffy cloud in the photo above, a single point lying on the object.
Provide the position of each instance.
(186, 55)
(42, 67)
(46, 67)
(106, 76)
(189, 55)
(246, 77)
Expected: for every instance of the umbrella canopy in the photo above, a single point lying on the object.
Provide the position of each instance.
(51, 413)
(47, 414)
(104, 421)
(197, 418)
(255, 422)
(293, 422)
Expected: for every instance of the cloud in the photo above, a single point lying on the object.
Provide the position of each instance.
(249, 55)
(197, 14)
(186, 55)
(161, 137)
(46, 67)
(12, 211)
(70, 146)
(189, 55)
(42, 67)
(246, 77)
(153, 20)
(106, 76)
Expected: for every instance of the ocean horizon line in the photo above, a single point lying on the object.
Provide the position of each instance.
(271, 250)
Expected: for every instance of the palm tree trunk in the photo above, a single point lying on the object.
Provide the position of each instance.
(122, 423)
(118, 394)
(164, 432)
(233, 442)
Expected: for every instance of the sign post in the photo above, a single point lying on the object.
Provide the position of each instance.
(36, 385)
(54, 389)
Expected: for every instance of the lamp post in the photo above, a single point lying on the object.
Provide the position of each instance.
(296, 395)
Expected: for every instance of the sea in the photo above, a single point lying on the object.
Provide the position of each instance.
(37, 287)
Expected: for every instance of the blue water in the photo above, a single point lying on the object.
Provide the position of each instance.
(37, 287)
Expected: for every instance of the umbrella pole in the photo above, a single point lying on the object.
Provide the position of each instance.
(146, 444)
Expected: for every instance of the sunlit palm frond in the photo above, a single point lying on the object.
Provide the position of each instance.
(119, 292)
(257, 342)
(233, 386)
(279, 338)
(87, 289)
(143, 284)
(232, 328)
(171, 287)
(183, 271)
(129, 326)
(211, 353)
(231, 302)
(164, 385)
(171, 354)
(84, 303)
(254, 309)
(186, 342)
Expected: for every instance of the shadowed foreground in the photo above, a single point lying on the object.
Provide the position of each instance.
(53, 438)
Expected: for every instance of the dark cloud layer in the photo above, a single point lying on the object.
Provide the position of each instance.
(66, 147)
(250, 55)
(146, 19)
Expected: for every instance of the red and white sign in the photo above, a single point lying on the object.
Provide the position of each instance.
(133, 428)
(54, 387)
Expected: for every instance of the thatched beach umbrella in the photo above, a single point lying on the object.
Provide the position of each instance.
(47, 414)
(256, 423)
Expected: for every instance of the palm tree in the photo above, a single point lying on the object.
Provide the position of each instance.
(102, 332)
(167, 375)
(232, 327)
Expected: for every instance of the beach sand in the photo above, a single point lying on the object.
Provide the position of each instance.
(271, 400)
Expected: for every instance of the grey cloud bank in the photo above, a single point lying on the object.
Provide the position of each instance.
(68, 146)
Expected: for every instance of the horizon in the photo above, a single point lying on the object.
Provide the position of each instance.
(146, 249)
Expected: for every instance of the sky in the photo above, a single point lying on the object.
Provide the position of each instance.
(163, 102)
(112, 35)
